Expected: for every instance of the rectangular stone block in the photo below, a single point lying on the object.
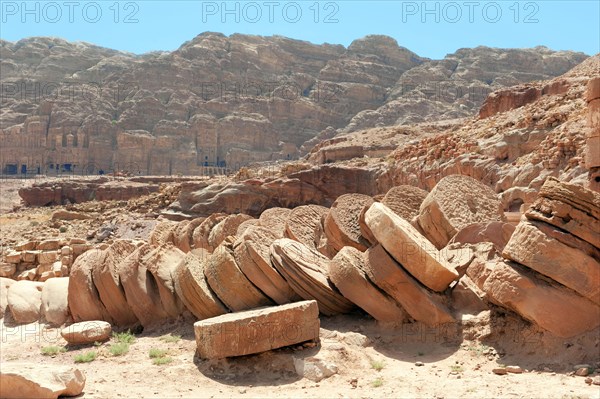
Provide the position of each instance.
(47, 256)
(257, 330)
(593, 114)
(29, 256)
(592, 153)
(12, 257)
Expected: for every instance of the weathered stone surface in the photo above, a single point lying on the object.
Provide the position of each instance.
(498, 233)
(454, 203)
(141, 287)
(84, 300)
(410, 248)
(5, 284)
(314, 369)
(569, 207)
(13, 257)
(365, 231)
(252, 255)
(341, 224)
(467, 298)
(162, 262)
(244, 225)
(229, 283)
(508, 99)
(68, 215)
(183, 235)
(554, 308)
(405, 201)
(26, 380)
(568, 265)
(87, 332)
(7, 269)
(201, 233)
(418, 302)
(347, 272)
(274, 219)
(163, 233)
(226, 227)
(55, 303)
(258, 330)
(107, 282)
(305, 224)
(306, 271)
(49, 245)
(192, 288)
(25, 301)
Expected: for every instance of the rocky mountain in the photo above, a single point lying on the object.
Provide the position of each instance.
(230, 101)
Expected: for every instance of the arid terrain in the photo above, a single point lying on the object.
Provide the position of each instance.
(448, 252)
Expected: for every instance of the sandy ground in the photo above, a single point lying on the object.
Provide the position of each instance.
(452, 367)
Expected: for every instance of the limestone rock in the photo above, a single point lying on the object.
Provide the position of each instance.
(274, 219)
(454, 203)
(84, 300)
(26, 380)
(87, 332)
(25, 301)
(347, 272)
(554, 308)
(252, 255)
(141, 288)
(258, 330)
(192, 288)
(55, 304)
(413, 251)
(566, 264)
(305, 224)
(405, 201)
(341, 224)
(229, 283)
(418, 302)
(306, 271)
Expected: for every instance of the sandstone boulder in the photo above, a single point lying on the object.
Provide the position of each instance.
(551, 255)
(405, 201)
(410, 248)
(554, 308)
(87, 332)
(163, 233)
(55, 303)
(141, 287)
(107, 282)
(84, 300)
(25, 301)
(305, 224)
(258, 330)
(192, 288)
(244, 225)
(274, 219)
(454, 203)
(201, 233)
(347, 272)
(183, 235)
(229, 283)
(306, 271)
(421, 304)
(569, 207)
(498, 233)
(341, 224)
(226, 227)
(252, 255)
(26, 380)
(7, 269)
(162, 262)
(5, 284)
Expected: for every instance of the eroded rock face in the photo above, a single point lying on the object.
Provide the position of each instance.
(55, 304)
(405, 201)
(342, 223)
(25, 380)
(454, 203)
(259, 330)
(84, 300)
(25, 301)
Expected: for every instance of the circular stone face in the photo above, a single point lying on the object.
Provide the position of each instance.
(342, 223)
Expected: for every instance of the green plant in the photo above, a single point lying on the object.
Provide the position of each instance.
(86, 357)
(125, 337)
(52, 350)
(377, 364)
(456, 368)
(63, 229)
(159, 361)
(377, 383)
(156, 353)
(171, 339)
(119, 348)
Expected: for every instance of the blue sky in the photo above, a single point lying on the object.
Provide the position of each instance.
(429, 28)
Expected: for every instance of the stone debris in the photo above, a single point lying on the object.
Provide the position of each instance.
(314, 369)
(257, 330)
(26, 380)
(87, 332)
